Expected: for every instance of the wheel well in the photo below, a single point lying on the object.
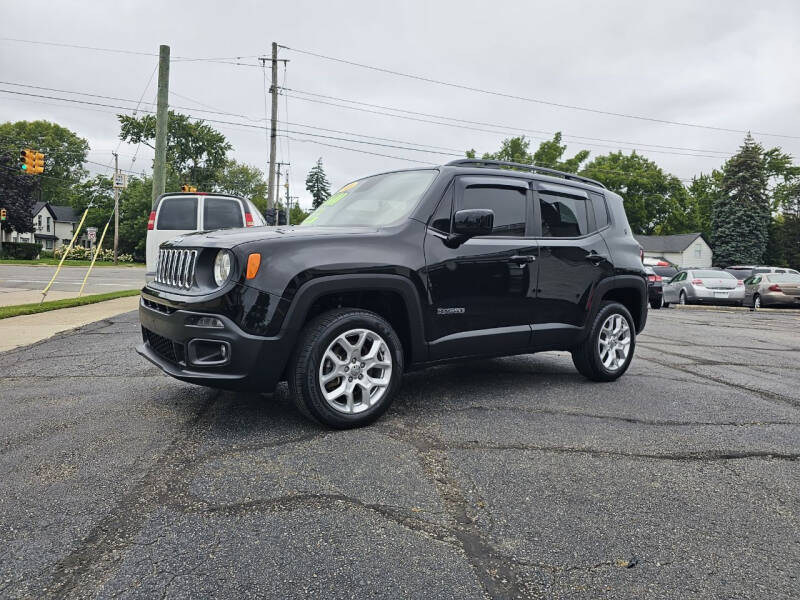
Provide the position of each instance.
(390, 305)
(631, 299)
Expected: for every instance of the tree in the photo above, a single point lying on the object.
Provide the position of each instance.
(741, 214)
(16, 196)
(243, 180)
(195, 151)
(705, 189)
(96, 194)
(65, 152)
(317, 184)
(650, 194)
(297, 214)
(549, 153)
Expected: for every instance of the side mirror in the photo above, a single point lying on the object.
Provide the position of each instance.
(473, 222)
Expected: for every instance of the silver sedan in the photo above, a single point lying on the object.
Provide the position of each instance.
(703, 286)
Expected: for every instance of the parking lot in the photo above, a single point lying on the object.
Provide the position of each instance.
(509, 478)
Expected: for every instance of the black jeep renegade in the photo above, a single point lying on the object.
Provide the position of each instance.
(400, 271)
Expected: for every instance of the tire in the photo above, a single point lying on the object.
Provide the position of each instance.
(682, 299)
(666, 305)
(587, 356)
(756, 302)
(656, 305)
(328, 336)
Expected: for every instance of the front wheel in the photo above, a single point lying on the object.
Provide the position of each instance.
(756, 302)
(608, 350)
(682, 298)
(346, 368)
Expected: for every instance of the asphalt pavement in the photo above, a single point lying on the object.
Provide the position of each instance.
(14, 278)
(501, 478)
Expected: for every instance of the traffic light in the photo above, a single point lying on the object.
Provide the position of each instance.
(2, 214)
(27, 159)
(38, 163)
(188, 188)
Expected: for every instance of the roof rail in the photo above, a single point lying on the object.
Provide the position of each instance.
(480, 162)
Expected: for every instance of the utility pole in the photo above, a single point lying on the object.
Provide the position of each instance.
(288, 201)
(162, 108)
(277, 190)
(273, 134)
(116, 206)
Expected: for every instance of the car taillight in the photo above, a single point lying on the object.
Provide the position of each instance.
(151, 222)
(248, 220)
(740, 283)
(697, 282)
(651, 278)
(658, 277)
(775, 288)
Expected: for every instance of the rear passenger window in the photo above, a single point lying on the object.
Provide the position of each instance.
(177, 213)
(507, 203)
(600, 210)
(219, 213)
(563, 216)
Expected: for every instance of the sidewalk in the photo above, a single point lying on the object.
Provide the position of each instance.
(27, 329)
(13, 296)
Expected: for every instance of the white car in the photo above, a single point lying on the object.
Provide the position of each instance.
(180, 213)
(703, 286)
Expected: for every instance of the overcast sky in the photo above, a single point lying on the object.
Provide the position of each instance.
(724, 64)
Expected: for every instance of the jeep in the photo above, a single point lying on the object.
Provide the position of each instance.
(400, 271)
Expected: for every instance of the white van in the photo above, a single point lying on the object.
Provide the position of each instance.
(179, 213)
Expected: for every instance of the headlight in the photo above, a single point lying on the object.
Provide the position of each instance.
(222, 267)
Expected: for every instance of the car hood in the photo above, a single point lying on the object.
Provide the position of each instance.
(230, 238)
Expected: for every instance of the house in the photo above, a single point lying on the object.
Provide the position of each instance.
(686, 250)
(53, 226)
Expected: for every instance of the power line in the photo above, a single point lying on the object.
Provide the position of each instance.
(506, 127)
(534, 100)
(362, 151)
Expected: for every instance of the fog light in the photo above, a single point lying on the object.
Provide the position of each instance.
(206, 353)
(209, 322)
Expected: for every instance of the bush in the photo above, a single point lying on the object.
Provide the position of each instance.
(46, 254)
(23, 250)
(81, 253)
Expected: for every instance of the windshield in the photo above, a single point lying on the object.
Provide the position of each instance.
(712, 274)
(376, 201)
(784, 277)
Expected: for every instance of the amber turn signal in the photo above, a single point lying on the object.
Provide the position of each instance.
(253, 262)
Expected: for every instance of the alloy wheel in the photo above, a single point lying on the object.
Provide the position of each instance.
(614, 342)
(355, 371)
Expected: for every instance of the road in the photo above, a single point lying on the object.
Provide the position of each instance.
(102, 279)
(501, 478)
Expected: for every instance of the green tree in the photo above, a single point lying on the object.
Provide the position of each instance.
(705, 189)
(65, 153)
(650, 195)
(297, 214)
(742, 214)
(17, 196)
(196, 152)
(549, 153)
(243, 180)
(317, 184)
(97, 195)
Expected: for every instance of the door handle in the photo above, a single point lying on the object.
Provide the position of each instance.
(522, 259)
(595, 258)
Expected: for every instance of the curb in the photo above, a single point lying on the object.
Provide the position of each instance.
(719, 308)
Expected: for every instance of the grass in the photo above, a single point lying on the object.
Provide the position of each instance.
(67, 263)
(31, 309)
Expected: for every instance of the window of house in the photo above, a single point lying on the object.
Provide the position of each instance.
(65, 242)
(48, 244)
(48, 223)
(40, 222)
(698, 250)
(508, 204)
(563, 216)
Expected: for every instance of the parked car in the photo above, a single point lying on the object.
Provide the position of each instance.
(655, 291)
(180, 213)
(703, 286)
(746, 271)
(398, 271)
(772, 289)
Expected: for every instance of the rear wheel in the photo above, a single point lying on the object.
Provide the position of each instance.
(608, 350)
(657, 303)
(682, 298)
(346, 368)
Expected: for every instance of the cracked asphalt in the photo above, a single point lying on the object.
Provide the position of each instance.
(502, 478)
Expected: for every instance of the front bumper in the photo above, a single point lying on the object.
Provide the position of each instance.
(252, 363)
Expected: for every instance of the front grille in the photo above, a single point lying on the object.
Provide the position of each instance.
(175, 268)
(162, 308)
(165, 348)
